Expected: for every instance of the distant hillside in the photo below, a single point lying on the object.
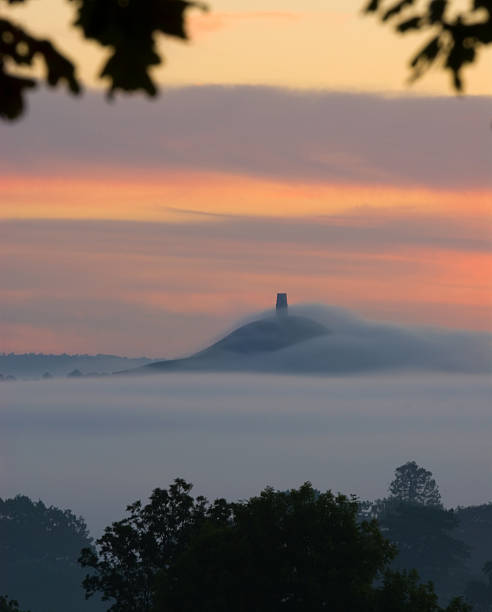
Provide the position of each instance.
(239, 349)
(330, 341)
(35, 365)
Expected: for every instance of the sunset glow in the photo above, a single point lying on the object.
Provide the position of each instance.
(180, 196)
(149, 227)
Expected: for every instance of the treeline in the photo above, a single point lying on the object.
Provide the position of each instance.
(451, 548)
(39, 365)
(297, 550)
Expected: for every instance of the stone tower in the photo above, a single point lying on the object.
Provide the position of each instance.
(281, 306)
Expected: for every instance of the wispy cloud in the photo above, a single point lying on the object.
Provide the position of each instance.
(168, 288)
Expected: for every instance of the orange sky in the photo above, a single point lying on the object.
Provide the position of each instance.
(130, 232)
(194, 195)
(313, 44)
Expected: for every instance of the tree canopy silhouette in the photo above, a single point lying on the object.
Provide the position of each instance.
(425, 536)
(415, 485)
(479, 592)
(129, 28)
(9, 605)
(297, 550)
(131, 552)
(39, 548)
(456, 35)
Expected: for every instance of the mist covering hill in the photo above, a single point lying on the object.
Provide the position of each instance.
(324, 340)
(311, 339)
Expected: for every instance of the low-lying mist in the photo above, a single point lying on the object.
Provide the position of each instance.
(96, 445)
(354, 345)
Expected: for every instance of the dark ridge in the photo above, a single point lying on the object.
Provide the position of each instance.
(268, 335)
(262, 336)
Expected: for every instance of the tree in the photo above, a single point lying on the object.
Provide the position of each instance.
(424, 537)
(487, 570)
(127, 27)
(133, 551)
(456, 35)
(415, 485)
(39, 546)
(475, 529)
(292, 551)
(295, 550)
(7, 605)
(428, 537)
(403, 592)
(300, 551)
(479, 592)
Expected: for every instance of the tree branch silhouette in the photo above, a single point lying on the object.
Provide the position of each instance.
(455, 36)
(128, 27)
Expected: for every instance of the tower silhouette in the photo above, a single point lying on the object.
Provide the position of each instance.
(282, 307)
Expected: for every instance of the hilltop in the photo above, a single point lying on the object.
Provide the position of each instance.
(334, 341)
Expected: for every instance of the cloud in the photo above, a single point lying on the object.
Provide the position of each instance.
(360, 345)
(164, 289)
(351, 345)
(310, 136)
(360, 229)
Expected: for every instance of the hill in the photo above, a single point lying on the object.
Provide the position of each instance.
(332, 340)
(238, 350)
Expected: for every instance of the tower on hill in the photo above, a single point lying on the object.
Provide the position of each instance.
(281, 306)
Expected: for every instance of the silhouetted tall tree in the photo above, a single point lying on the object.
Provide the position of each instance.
(425, 534)
(415, 485)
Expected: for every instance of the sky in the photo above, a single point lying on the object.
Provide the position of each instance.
(286, 152)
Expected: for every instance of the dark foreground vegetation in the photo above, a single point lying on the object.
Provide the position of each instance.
(456, 30)
(297, 550)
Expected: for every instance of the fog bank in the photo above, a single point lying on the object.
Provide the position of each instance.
(347, 345)
(97, 445)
